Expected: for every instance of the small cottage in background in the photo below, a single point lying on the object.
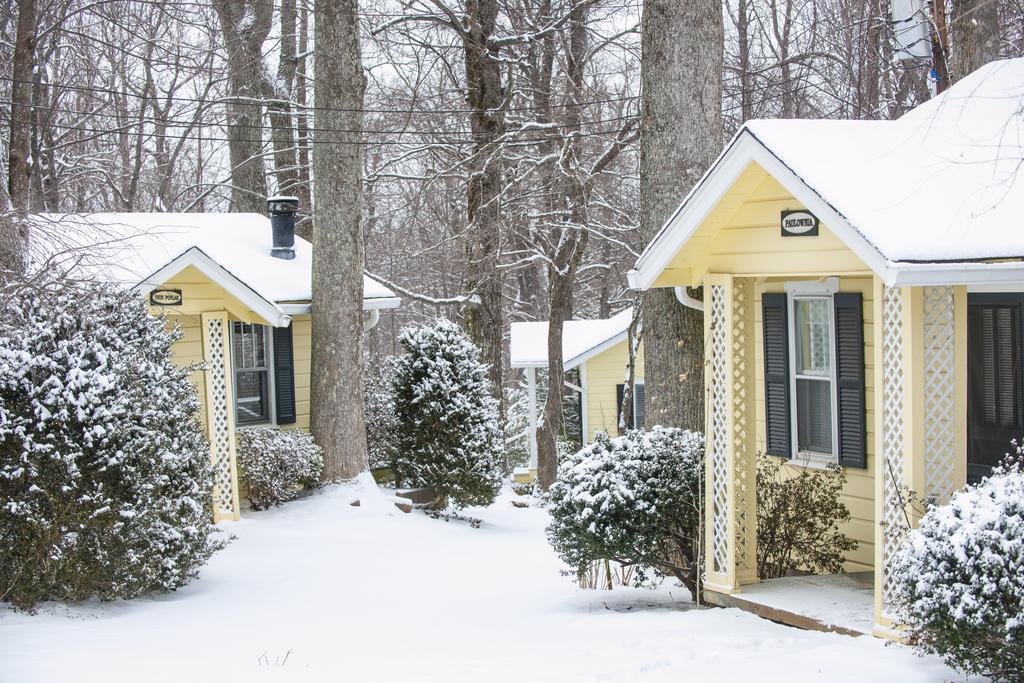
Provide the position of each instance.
(240, 288)
(863, 307)
(595, 356)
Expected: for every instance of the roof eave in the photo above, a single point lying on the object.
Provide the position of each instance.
(580, 358)
(904, 274)
(377, 303)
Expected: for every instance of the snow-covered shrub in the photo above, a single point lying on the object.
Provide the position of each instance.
(447, 436)
(379, 409)
(517, 426)
(635, 499)
(522, 488)
(277, 464)
(105, 473)
(960, 578)
(799, 512)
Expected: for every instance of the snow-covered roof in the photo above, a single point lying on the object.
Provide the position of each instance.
(144, 250)
(931, 198)
(581, 340)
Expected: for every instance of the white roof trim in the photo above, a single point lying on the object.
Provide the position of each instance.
(278, 315)
(580, 358)
(744, 149)
(371, 304)
(198, 259)
(961, 273)
(381, 302)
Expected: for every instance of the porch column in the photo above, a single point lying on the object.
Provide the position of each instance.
(220, 415)
(921, 408)
(945, 391)
(730, 413)
(531, 412)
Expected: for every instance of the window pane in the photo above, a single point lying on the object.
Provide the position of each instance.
(814, 415)
(251, 396)
(249, 344)
(813, 351)
(236, 343)
(259, 344)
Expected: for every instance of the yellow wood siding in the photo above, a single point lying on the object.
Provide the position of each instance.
(199, 295)
(741, 236)
(859, 494)
(189, 350)
(604, 371)
(302, 346)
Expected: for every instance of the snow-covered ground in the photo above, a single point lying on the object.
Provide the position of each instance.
(320, 590)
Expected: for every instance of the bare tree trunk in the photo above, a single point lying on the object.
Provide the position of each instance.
(304, 228)
(336, 387)
(634, 334)
(974, 35)
(940, 46)
(485, 321)
(746, 82)
(870, 74)
(245, 25)
(681, 129)
(572, 246)
(282, 132)
(12, 227)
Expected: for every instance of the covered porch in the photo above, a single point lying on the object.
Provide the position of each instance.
(917, 352)
(832, 603)
(595, 357)
(855, 315)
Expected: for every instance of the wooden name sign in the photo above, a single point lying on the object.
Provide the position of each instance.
(165, 297)
(799, 224)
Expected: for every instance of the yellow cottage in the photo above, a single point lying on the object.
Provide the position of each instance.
(239, 286)
(864, 305)
(599, 351)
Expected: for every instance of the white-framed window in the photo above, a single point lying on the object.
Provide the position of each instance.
(813, 371)
(251, 363)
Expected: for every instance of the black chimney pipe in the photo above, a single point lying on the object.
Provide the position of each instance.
(282, 210)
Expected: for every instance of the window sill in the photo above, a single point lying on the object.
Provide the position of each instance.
(254, 425)
(814, 461)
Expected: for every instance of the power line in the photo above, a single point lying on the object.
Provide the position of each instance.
(229, 99)
(510, 138)
(179, 123)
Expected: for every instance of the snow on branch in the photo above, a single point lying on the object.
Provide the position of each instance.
(471, 299)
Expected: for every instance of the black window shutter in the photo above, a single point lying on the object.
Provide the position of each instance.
(850, 379)
(776, 374)
(620, 392)
(639, 404)
(284, 375)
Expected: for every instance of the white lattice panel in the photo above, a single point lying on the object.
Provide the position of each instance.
(718, 443)
(744, 467)
(939, 394)
(893, 418)
(219, 416)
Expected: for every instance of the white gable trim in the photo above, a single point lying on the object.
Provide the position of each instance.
(198, 259)
(580, 358)
(597, 350)
(744, 149)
